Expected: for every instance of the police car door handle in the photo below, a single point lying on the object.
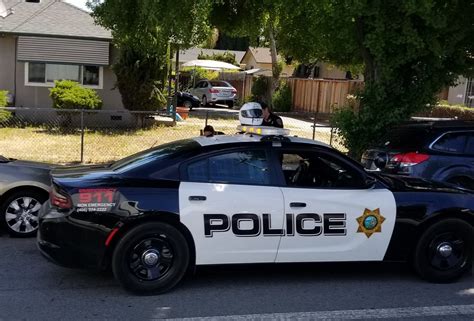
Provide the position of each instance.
(297, 204)
(197, 198)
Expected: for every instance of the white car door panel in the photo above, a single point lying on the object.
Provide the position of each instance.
(337, 225)
(229, 225)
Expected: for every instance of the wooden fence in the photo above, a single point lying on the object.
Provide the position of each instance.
(321, 96)
(308, 95)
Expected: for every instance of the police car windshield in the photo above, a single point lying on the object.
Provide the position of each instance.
(161, 152)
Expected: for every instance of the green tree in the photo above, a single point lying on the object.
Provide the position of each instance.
(254, 19)
(143, 32)
(225, 57)
(409, 51)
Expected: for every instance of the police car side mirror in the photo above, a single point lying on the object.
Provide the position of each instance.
(370, 181)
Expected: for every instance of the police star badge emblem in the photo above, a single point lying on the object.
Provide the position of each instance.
(370, 222)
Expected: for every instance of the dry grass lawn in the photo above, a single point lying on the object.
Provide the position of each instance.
(39, 144)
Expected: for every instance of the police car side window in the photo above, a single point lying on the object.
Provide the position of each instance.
(242, 167)
(318, 170)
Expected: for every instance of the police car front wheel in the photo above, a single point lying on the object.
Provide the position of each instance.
(151, 258)
(445, 251)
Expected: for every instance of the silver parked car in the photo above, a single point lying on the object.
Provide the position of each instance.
(24, 187)
(212, 92)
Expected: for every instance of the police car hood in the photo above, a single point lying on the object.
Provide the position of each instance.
(415, 184)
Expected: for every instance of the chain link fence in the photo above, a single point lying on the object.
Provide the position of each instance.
(79, 136)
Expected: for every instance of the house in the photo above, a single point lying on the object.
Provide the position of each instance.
(260, 58)
(462, 93)
(46, 40)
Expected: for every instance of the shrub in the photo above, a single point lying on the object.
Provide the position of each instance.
(281, 99)
(228, 57)
(447, 111)
(260, 88)
(3, 98)
(201, 73)
(5, 115)
(68, 94)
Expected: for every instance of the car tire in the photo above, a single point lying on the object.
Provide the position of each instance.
(188, 104)
(444, 251)
(151, 258)
(19, 212)
(204, 101)
(464, 182)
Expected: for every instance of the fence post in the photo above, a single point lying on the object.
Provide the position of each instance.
(207, 117)
(314, 126)
(330, 137)
(82, 136)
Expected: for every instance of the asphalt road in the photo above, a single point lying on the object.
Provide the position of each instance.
(33, 289)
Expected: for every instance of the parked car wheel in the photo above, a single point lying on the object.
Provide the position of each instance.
(151, 258)
(464, 182)
(204, 101)
(20, 212)
(188, 104)
(445, 251)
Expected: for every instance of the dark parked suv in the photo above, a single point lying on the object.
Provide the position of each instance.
(438, 150)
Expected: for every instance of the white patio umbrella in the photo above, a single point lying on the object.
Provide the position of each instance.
(210, 64)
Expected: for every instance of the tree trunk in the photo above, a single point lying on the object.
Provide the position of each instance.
(370, 70)
(273, 52)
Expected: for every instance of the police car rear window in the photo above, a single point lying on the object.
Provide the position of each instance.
(160, 153)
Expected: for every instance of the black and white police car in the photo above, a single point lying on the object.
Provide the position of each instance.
(257, 197)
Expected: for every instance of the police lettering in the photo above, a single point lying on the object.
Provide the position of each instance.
(250, 225)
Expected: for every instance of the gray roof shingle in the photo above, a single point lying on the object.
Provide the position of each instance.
(50, 18)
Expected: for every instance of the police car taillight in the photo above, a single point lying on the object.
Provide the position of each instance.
(60, 200)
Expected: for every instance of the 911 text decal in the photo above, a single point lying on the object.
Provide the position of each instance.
(304, 224)
(95, 199)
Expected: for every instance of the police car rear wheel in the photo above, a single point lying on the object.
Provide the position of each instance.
(151, 258)
(445, 251)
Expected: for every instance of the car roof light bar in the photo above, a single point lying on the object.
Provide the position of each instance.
(263, 130)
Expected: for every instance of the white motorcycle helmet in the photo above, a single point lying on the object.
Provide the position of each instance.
(251, 114)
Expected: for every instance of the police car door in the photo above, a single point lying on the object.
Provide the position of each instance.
(331, 212)
(233, 213)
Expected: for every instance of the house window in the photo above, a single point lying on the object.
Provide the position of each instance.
(90, 75)
(62, 72)
(36, 72)
(43, 74)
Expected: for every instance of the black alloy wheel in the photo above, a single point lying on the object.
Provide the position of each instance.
(444, 251)
(151, 258)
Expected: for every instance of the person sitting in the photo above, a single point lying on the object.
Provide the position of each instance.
(208, 131)
(269, 118)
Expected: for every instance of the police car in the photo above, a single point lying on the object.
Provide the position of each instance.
(261, 196)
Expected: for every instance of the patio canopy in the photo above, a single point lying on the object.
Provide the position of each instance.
(210, 64)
